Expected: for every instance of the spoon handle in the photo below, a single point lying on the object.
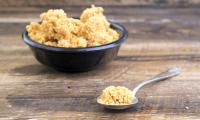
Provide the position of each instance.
(162, 76)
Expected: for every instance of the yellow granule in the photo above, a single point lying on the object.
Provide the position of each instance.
(116, 95)
(57, 29)
(90, 12)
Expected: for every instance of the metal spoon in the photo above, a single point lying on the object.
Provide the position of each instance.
(162, 76)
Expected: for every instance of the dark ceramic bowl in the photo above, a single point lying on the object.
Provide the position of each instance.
(76, 59)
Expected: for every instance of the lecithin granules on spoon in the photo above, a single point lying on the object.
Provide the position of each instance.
(116, 95)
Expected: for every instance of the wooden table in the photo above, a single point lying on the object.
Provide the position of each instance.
(162, 34)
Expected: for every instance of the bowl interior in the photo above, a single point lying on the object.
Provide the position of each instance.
(119, 28)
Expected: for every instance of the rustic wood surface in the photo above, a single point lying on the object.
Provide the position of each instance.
(161, 35)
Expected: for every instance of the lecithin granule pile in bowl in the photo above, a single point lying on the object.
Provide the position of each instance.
(57, 29)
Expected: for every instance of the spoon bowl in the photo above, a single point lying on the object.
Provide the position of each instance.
(119, 106)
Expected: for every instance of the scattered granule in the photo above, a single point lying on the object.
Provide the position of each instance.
(116, 95)
(92, 29)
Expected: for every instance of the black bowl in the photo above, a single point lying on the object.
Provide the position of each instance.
(76, 59)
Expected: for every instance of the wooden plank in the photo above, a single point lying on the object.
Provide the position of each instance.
(61, 3)
(128, 11)
(169, 23)
(30, 90)
(159, 38)
(167, 29)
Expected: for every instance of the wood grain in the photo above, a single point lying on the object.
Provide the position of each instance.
(159, 38)
(76, 3)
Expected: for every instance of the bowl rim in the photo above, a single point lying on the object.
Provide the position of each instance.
(116, 26)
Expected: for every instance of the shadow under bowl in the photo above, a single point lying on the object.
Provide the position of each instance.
(76, 59)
